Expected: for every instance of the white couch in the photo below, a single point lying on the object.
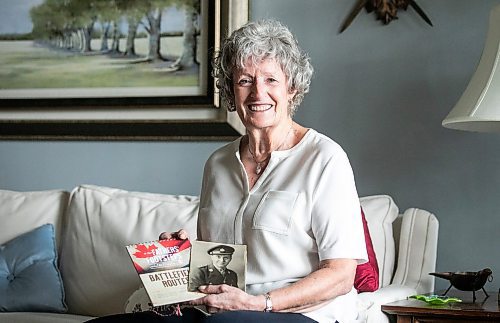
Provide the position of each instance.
(93, 224)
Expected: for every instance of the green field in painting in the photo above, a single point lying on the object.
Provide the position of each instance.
(24, 65)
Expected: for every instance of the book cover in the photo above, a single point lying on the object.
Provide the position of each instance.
(163, 267)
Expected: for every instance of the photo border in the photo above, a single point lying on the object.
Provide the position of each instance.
(189, 118)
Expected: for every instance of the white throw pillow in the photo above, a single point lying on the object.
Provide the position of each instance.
(21, 212)
(380, 213)
(96, 268)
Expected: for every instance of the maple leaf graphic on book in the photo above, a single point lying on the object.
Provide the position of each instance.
(160, 255)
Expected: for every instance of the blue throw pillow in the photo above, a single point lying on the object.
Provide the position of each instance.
(29, 277)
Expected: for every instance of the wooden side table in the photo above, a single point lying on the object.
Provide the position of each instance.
(415, 311)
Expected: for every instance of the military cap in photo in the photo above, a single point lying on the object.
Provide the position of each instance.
(221, 250)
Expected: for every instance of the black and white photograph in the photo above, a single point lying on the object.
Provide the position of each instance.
(216, 264)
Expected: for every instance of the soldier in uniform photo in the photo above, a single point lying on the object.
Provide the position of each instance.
(215, 273)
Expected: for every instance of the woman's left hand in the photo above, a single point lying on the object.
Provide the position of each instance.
(227, 298)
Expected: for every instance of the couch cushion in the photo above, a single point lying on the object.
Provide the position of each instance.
(380, 212)
(369, 304)
(367, 279)
(29, 277)
(97, 271)
(33, 317)
(21, 212)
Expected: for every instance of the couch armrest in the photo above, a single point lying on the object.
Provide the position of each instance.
(369, 304)
(387, 294)
(417, 250)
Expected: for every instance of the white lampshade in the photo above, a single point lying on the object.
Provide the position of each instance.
(479, 107)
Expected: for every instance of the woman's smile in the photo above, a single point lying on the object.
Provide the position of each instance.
(259, 107)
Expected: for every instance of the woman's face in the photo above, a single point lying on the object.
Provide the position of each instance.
(261, 94)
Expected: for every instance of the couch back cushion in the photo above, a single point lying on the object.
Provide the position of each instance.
(97, 271)
(21, 212)
(380, 212)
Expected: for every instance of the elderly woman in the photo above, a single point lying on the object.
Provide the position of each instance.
(284, 190)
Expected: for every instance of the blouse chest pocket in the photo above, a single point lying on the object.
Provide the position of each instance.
(274, 212)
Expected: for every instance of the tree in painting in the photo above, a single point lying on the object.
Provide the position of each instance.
(188, 56)
(71, 24)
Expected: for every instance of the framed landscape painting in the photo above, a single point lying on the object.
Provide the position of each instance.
(114, 69)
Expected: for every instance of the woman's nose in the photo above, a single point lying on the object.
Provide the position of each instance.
(258, 87)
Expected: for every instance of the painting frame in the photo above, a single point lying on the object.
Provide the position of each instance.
(180, 118)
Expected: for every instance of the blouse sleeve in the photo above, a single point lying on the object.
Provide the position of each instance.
(336, 217)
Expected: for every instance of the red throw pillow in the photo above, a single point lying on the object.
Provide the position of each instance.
(366, 279)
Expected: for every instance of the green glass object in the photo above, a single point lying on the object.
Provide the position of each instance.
(436, 299)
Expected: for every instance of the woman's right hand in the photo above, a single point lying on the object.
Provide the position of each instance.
(179, 235)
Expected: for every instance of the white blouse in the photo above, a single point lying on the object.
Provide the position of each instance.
(303, 209)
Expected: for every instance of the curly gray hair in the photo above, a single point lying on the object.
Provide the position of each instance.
(257, 41)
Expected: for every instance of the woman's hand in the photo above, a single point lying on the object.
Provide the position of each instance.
(179, 235)
(227, 298)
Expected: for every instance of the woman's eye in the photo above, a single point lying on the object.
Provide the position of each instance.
(244, 82)
(272, 80)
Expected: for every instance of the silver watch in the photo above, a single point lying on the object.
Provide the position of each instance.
(269, 303)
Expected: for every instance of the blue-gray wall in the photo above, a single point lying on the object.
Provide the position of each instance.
(380, 91)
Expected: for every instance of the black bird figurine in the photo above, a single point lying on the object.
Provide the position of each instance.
(467, 281)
